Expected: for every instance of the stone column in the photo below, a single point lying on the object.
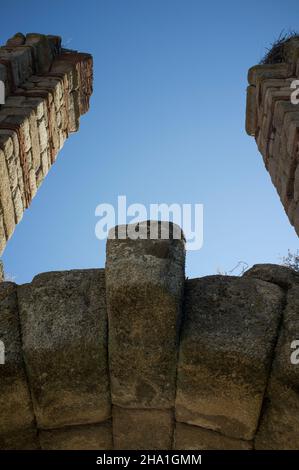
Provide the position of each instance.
(47, 89)
(144, 289)
(272, 118)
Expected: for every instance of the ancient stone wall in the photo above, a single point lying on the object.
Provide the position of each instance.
(134, 356)
(47, 89)
(273, 120)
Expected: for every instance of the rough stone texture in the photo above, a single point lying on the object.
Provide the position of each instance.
(279, 424)
(19, 61)
(144, 284)
(226, 348)
(251, 114)
(88, 437)
(7, 212)
(47, 90)
(281, 275)
(274, 122)
(64, 329)
(195, 438)
(279, 427)
(142, 429)
(16, 415)
(235, 380)
(22, 440)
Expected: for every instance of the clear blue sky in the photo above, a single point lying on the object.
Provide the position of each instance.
(166, 125)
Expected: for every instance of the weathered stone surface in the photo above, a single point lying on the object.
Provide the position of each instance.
(144, 285)
(42, 51)
(47, 90)
(142, 429)
(87, 437)
(17, 39)
(228, 336)
(279, 427)
(73, 112)
(265, 71)
(6, 202)
(26, 439)
(281, 275)
(227, 346)
(273, 119)
(16, 415)
(195, 438)
(2, 233)
(20, 67)
(64, 328)
(251, 112)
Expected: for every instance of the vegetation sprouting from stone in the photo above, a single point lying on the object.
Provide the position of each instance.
(291, 260)
(276, 54)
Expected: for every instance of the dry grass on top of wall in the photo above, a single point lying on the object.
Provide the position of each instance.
(276, 53)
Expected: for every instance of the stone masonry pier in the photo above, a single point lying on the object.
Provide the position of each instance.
(273, 120)
(47, 89)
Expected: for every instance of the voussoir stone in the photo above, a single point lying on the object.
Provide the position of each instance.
(227, 342)
(189, 437)
(16, 413)
(142, 429)
(86, 437)
(26, 439)
(279, 426)
(281, 275)
(64, 329)
(144, 285)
